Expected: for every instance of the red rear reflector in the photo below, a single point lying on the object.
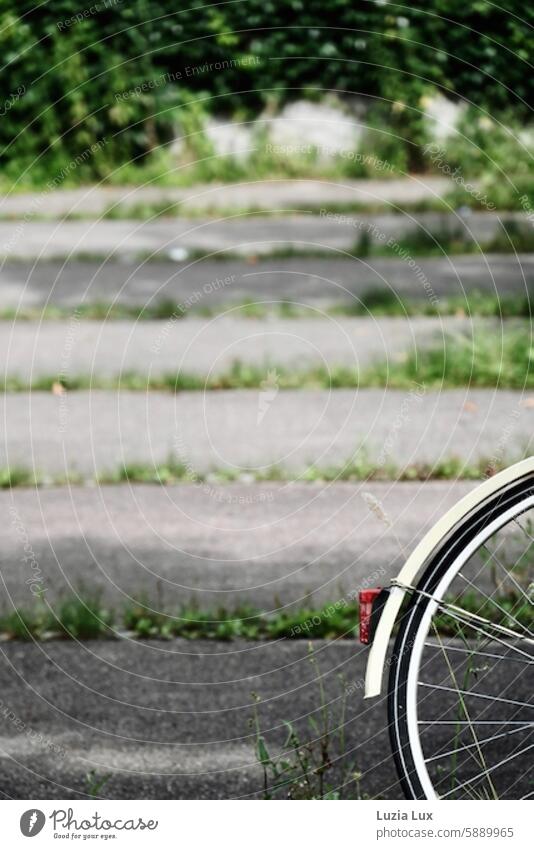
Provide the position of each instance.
(366, 599)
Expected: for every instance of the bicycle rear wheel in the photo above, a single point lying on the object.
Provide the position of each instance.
(460, 693)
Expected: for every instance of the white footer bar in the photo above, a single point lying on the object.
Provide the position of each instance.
(264, 824)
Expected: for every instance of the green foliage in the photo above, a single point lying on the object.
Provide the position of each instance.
(357, 468)
(332, 620)
(95, 782)
(484, 361)
(481, 144)
(85, 618)
(374, 301)
(15, 476)
(97, 311)
(193, 623)
(75, 617)
(512, 190)
(499, 153)
(170, 472)
(362, 467)
(25, 624)
(312, 763)
(64, 76)
(506, 610)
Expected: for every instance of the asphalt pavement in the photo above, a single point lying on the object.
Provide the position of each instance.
(221, 283)
(208, 347)
(259, 194)
(95, 433)
(248, 234)
(175, 720)
(268, 545)
(171, 720)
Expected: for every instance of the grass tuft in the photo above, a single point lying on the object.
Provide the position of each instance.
(360, 467)
(484, 361)
(15, 476)
(84, 619)
(75, 617)
(376, 301)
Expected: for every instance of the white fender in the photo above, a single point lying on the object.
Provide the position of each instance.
(418, 558)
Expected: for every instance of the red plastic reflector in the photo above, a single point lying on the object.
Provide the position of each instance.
(366, 599)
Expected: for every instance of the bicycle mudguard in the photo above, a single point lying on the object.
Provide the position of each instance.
(419, 557)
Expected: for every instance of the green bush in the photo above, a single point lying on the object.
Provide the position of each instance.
(496, 150)
(66, 67)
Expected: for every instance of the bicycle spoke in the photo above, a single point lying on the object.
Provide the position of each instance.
(467, 715)
(519, 525)
(474, 721)
(491, 769)
(491, 637)
(475, 694)
(468, 617)
(507, 613)
(508, 574)
(480, 742)
(478, 653)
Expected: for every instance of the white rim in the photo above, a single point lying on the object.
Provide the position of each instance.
(421, 635)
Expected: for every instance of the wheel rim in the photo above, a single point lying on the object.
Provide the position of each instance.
(445, 717)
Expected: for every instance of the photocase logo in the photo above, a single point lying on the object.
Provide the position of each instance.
(32, 822)
(268, 392)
